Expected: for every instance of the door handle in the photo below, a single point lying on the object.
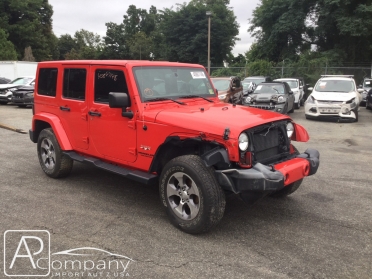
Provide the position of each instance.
(64, 108)
(94, 113)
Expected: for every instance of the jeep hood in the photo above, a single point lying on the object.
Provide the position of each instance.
(215, 118)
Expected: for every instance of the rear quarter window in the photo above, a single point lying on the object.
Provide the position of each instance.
(47, 81)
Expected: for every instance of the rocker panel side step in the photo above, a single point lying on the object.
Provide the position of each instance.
(136, 175)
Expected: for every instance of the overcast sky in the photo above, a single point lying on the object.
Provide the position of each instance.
(72, 15)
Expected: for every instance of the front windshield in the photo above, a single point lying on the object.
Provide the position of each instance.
(343, 86)
(254, 80)
(221, 84)
(367, 83)
(171, 82)
(292, 83)
(21, 81)
(269, 89)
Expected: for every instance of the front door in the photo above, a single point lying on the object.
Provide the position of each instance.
(112, 136)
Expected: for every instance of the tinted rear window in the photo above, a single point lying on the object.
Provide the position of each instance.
(47, 82)
(74, 81)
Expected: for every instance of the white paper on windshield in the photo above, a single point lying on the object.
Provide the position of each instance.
(197, 75)
(368, 82)
(259, 87)
(323, 83)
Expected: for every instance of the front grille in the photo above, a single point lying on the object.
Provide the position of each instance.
(266, 107)
(270, 143)
(18, 95)
(330, 102)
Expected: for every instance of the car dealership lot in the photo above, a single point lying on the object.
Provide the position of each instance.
(324, 230)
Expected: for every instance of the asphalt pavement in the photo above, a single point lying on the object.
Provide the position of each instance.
(323, 230)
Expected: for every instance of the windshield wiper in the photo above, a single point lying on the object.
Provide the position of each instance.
(165, 99)
(195, 96)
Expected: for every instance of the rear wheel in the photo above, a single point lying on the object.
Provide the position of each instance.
(3, 103)
(193, 199)
(52, 160)
(289, 189)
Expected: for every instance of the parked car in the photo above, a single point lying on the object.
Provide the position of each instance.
(23, 96)
(4, 80)
(334, 96)
(369, 99)
(275, 96)
(195, 148)
(6, 90)
(366, 86)
(256, 80)
(297, 89)
(229, 89)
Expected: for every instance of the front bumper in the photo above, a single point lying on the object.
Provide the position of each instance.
(22, 101)
(264, 178)
(6, 98)
(340, 111)
(277, 107)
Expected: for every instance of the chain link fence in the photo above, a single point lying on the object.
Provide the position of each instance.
(310, 74)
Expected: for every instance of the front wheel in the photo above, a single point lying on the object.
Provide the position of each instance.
(193, 199)
(52, 160)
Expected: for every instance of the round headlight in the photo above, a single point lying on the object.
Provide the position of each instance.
(281, 99)
(243, 142)
(248, 99)
(290, 129)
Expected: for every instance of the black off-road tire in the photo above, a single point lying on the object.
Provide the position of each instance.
(52, 161)
(291, 188)
(210, 198)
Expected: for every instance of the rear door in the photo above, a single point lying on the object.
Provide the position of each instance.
(73, 106)
(112, 136)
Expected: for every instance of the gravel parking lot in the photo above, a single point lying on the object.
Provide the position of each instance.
(324, 230)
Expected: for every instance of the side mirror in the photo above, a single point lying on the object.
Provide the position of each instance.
(360, 90)
(301, 87)
(310, 88)
(120, 100)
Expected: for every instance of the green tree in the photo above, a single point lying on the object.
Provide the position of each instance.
(29, 23)
(65, 44)
(186, 32)
(285, 29)
(84, 45)
(120, 40)
(8, 51)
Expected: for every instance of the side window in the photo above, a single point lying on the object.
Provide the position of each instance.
(106, 81)
(47, 81)
(74, 81)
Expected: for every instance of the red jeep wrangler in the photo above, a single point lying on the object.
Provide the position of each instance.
(162, 122)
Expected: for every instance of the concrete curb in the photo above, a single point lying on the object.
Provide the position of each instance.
(12, 129)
